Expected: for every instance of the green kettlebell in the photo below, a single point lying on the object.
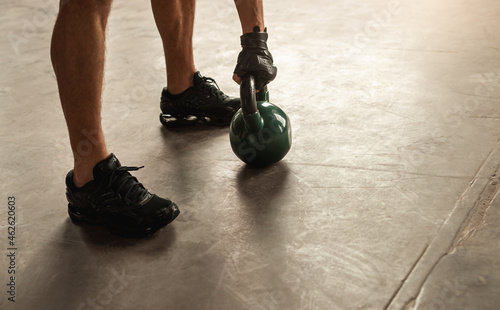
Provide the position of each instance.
(260, 132)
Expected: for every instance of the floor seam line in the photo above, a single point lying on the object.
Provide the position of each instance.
(406, 277)
(451, 222)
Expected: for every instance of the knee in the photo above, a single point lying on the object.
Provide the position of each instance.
(86, 8)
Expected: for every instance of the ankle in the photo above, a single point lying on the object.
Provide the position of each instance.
(82, 177)
(179, 83)
(178, 89)
(83, 171)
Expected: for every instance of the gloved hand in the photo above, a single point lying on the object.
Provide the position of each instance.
(255, 58)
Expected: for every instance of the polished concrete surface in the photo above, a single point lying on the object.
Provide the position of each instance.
(387, 199)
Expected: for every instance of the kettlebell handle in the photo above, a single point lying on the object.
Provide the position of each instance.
(247, 95)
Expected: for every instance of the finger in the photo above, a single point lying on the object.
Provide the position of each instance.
(236, 78)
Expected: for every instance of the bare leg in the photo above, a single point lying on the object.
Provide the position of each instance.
(175, 20)
(77, 54)
(251, 13)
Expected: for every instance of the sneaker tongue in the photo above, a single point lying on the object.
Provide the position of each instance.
(197, 78)
(110, 163)
(137, 193)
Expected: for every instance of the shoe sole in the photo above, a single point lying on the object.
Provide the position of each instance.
(78, 217)
(172, 121)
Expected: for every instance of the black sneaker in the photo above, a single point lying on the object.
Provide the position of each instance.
(203, 102)
(118, 201)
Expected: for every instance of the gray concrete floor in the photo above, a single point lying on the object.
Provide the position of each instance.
(387, 200)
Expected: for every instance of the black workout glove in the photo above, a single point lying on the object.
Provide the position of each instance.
(255, 58)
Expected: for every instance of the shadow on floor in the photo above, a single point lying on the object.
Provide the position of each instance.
(80, 262)
(260, 186)
(99, 238)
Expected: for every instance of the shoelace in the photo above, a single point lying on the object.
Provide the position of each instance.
(121, 179)
(212, 86)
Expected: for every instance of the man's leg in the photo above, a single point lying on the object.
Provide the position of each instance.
(77, 54)
(189, 97)
(99, 189)
(175, 21)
